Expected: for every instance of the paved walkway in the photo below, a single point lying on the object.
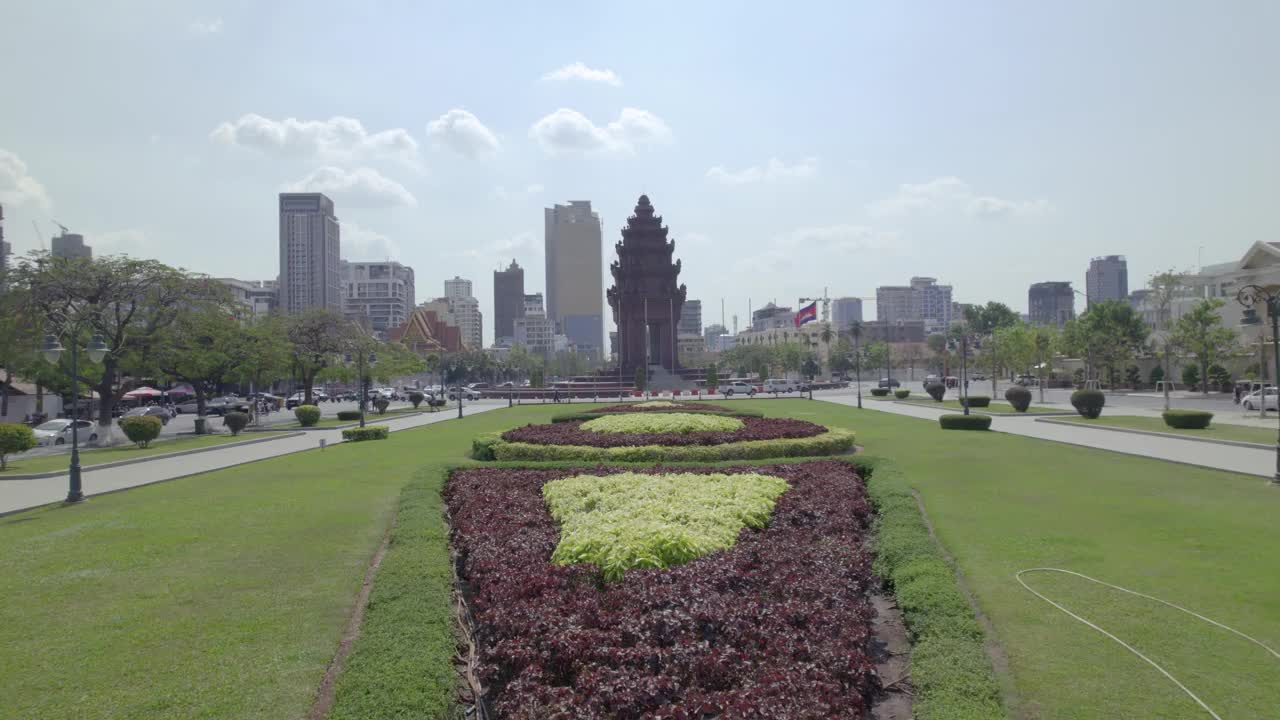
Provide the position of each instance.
(1222, 457)
(22, 494)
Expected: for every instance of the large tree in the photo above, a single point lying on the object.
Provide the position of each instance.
(1045, 339)
(1201, 333)
(1163, 289)
(1109, 333)
(206, 347)
(985, 319)
(317, 339)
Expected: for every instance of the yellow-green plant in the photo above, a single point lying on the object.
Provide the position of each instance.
(662, 423)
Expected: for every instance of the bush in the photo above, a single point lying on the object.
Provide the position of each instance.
(974, 401)
(14, 438)
(902, 394)
(936, 390)
(1157, 374)
(482, 445)
(235, 421)
(141, 429)
(1190, 375)
(369, 432)
(416, 398)
(1088, 403)
(381, 405)
(348, 414)
(880, 392)
(1133, 376)
(308, 415)
(713, 377)
(832, 442)
(1019, 397)
(1187, 419)
(965, 422)
(1219, 375)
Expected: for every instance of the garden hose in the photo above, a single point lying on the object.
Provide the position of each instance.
(1018, 576)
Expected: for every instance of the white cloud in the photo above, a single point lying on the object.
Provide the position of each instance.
(16, 186)
(579, 71)
(773, 171)
(336, 140)
(360, 243)
(830, 243)
(569, 131)
(522, 246)
(502, 193)
(951, 195)
(694, 238)
(463, 133)
(206, 26)
(361, 187)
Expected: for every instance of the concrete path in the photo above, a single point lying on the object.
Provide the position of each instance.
(22, 494)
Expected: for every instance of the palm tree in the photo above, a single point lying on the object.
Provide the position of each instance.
(855, 331)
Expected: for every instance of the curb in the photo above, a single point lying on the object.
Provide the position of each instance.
(1153, 433)
(353, 423)
(148, 458)
(981, 411)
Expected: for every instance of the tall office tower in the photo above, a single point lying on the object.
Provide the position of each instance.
(457, 288)
(844, 311)
(508, 301)
(1107, 279)
(575, 274)
(380, 292)
(309, 253)
(470, 320)
(690, 318)
(70, 245)
(1051, 303)
(4, 250)
(924, 299)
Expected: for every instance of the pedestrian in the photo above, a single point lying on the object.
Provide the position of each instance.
(1237, 393)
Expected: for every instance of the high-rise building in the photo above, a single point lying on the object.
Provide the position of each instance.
(70, 245)
(575, 274)
(690, 318)
(772, 316)
(457, 288)
(533, 305)
(1107, 279)
(533, 330)
(1051, 303)
(508, 301)
(4, 251)
(470, 320)
(379, 293)
(924, 299)
(845, 311)
(259, 297)
(309, 253)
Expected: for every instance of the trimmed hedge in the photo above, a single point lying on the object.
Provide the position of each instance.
(974, 401)
(902, 394)
(584, 416)
(1019, 397)
(15, 438)
(1187, 419)
(141, 429)
(308, 415)
(1089, 403)
(368, 432)
(416, 398)
(965, 422)
(831, 442)
(880, 392)
(950, 669)
(236, 421)
(348, 414)
(936, 390)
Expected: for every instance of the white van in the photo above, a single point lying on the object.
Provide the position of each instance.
(776, 385)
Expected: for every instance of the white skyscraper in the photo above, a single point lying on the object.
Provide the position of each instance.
(466, 310)
(575, 273)
(457, 288)
(309, 253)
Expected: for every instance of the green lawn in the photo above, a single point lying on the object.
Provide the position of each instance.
(1215, 431)
(996, 407)
(18, 465)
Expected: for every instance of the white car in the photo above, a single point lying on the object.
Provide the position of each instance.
(776, 385)
(1256, 400)
(731, 388)
(58, 432)
(467, 394)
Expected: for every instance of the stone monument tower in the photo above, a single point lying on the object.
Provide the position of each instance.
(645, 298)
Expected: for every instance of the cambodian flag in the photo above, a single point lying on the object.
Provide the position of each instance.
(808, 313)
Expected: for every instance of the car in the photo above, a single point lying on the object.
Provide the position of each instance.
(153, 411)
(58, 432)
(732, 387)
(889, 382)
(978, 377)
(479, 386)
(779, 385)
(467, 393)
(1265, 399)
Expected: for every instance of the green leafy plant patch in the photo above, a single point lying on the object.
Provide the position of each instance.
(662, 423)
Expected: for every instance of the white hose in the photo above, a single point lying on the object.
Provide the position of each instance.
(1018, 576)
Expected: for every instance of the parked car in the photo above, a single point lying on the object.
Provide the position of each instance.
(890, 382)
(479, 386)
(153, 411)
(1264, 399)
(780, 385)
(58, 432)
(735, 387)
(467, 393)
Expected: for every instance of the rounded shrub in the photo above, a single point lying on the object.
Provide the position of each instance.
(974, 401)
(902, 394)
(880, 392)
(1187, 419)
(348, 414)
(14, 438)
(1019, 397)
(308, 415)
(416, 398)
(965, 422)
(236, 421)
(1088, 403)
(936, 390)
(141, 429)
(381, 405)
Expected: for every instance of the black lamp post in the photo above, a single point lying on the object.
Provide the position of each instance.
(1249, 296)
(360, 359)
(52, 351)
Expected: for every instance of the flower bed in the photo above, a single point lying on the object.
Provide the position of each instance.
(663, 406)
(574, 433)
(832, 442)
(647, 423)
(777, 626)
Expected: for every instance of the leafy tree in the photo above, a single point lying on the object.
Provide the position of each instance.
(205, 347)
(937, 343)
(1190, 376)
(1013, 347)
(1133, 376)
(1163, 288)
(317, 338)
(985, 319)
(1218, 375)
(1109, 333)
(876, 354)
(396, 360)
(1157, 375)
(266, 351)
(713, 376)
(811, 367)
(1201, 333)
(841, 361)
(641, 378)
(1045, 339)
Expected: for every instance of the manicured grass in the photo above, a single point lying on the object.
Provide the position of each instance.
(1215, 431)
(370, 417)
(995, 408)
(18, 465)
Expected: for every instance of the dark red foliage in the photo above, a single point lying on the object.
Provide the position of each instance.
(677, 407)
(778, 626)
(571, 433)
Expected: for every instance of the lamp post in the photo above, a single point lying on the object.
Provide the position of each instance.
(857, 367)
(52, 351)
(360, 359)
(1249, 296)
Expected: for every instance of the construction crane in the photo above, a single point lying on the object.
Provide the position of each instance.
(39, 235)
(64, 228)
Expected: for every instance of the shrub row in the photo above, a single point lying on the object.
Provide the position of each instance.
(902, 394)
(832, 442)
(957, 421)
(348, 414)
(368, 432)
(1187, 419)
(592, 415)
(664, 406)
(1088, 403)
(308, 415)
(880, 392)
(950, 669)
(974, 401)
(577, 434)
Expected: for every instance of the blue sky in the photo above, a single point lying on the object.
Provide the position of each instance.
(790, 146)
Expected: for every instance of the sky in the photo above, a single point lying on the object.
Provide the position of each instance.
(792, 148)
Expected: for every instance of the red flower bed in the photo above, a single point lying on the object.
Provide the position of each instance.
(571, 433)
(778, 626)
(677, 407)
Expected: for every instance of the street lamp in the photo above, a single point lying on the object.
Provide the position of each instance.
(1249, 296)
(364, 380)
(52, 352)
(1251, 319)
